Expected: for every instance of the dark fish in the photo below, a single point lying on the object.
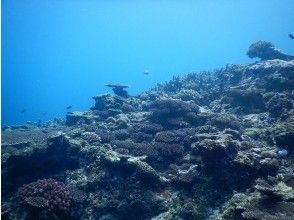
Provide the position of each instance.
(146, 72)
(23, 110)
(291, 36)
(69, 107)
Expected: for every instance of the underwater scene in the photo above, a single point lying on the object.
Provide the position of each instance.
(147, 110)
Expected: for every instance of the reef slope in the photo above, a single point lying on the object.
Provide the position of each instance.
(208, 145)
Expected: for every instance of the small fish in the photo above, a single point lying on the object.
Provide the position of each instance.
(146, 72)
(283, 153)
(291, 36)
(69, 107)
(23, 110)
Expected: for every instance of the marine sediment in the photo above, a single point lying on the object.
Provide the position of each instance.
(206, 145)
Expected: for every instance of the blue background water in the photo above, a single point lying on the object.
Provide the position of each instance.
(57, 53)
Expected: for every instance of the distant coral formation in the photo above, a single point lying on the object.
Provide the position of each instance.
(266, 51)
(118, 89)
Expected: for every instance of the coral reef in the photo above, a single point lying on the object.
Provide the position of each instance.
(207, 145)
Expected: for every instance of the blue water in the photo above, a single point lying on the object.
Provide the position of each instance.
(57, 53)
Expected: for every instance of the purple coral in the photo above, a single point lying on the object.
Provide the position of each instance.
(55, 196)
